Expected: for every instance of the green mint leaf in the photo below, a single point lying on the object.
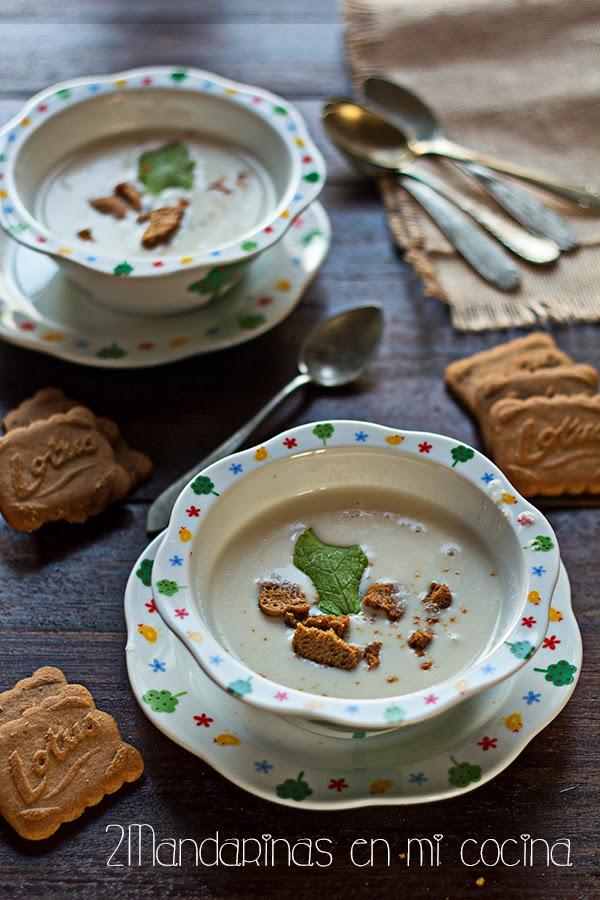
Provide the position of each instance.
(168, 166)
(334, 571)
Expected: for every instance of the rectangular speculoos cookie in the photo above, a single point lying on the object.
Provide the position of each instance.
(58, 468)
(58, 758)
(565, 380)
(44, 682)
(536, 351)
(548, 445)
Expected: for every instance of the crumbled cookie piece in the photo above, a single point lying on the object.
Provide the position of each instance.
(426, 665)
(339, 624)
(325, 647)
(163, 223)
(110, 206)
(371, 654)
(418, 640)
(276, 598)
(385, 596)
(439, 597)
(220, 186)
(392, 679)
(85, 234)
(129, 194)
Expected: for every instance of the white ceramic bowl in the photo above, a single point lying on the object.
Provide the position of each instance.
(326, 456)
(59, 121)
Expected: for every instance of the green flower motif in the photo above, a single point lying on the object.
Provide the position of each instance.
(247, 246)
(144, 573)
(309, 237)
(394, 714)
(521, 649)
(280, 111)
(541, 543)
(178, 76)
(169, 588)
(162, 701)
(203, 485)
(462, 774)
(311, 177)
(241, 687)
(216, 280)
(123, 268)
(294, 789)
(324, 431)
(253, 320)
(111, 352)
(64, 93)
(559, 673)
(461, 454)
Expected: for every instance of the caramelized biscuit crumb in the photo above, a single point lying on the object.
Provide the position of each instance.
(426, 665)
(339, 624)
(163, 223)
(418, 640)
(385, 596)
(220, 186)
(325, 647)
(129, 194)
(110, 206)
(85, 234)
(371, 654)
(276, 598)
(439, 597)
(392, 679)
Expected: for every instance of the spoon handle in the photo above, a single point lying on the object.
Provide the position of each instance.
(526, 209)
(529, 247)
(160, 511)
(482, 254)
(583, 195)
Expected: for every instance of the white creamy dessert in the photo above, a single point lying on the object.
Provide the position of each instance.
(230, 195)
(407, 541)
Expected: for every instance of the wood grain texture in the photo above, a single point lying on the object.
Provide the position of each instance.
(61, 590)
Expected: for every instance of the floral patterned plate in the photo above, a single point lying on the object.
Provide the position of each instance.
(290, 762)
(42, 310)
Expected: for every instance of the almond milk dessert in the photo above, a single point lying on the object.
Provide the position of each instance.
(356, 593)
(155, 193)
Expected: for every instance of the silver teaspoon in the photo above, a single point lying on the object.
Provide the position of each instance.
(334, 354)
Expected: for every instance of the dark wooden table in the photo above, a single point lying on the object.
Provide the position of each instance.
(61, 591)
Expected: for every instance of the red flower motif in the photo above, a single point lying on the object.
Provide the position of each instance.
(338, 784)
(550, 642)
(307, 159)
(40, 240)
(488, 743)
(181, 613)
(425, 447)
(268, 229)
(158, 264)
(528, 621)
(298, 222)
(151, 606)
(42, 107)
(265, 301)
(27, 326)
(430, 699)
(257, 99)
(281, 695)
(193, 512)
(145, 345)
(203, 720)
(147, 80)
(290, 443)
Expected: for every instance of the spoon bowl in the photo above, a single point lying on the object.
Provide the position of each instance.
(339, 349)
(366, 135)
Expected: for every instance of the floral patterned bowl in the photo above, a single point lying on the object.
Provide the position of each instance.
(60, 120)
(433, 466)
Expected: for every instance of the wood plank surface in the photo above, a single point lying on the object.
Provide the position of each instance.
(61, 590)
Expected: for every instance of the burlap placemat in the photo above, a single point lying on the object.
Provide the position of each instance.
(519, 79)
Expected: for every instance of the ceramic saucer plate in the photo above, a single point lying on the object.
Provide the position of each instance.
(43, 310)
(291, 762)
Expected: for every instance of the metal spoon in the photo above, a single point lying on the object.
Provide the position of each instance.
(419, 123)
(334, 354)
(339, 119)
(583, 195)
